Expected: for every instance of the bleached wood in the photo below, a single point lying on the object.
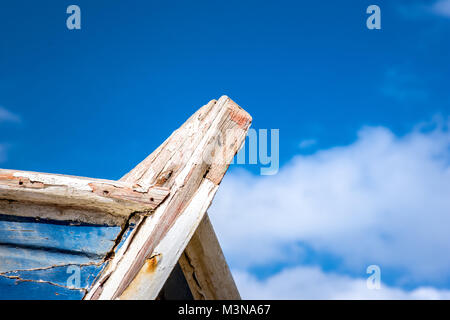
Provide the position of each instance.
(148, 282)
(205, 268)
(191, 163)
(60, 197)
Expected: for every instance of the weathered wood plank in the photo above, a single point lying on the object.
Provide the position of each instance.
(205, 268)
(42, 258)
(61, 197)
(39, 256)
(86, 240)
(191, 163)
(152, 276)
(72, 276)
(13, 289)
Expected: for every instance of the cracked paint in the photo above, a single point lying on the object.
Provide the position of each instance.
(14, 289)
(58, 275)
(41, 259)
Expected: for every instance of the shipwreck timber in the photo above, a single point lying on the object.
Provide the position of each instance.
(134, 232)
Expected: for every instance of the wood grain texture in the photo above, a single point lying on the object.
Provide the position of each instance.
(191, 163)
(205, 268)
(38, 257)
(60, 197)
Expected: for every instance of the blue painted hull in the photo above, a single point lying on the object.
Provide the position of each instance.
(42, 259)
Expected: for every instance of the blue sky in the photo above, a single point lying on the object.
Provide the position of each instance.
(94, 102)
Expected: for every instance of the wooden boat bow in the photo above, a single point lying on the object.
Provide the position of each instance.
(165, 197)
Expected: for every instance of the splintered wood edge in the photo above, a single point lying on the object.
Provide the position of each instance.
(70, 198)
(217, 131)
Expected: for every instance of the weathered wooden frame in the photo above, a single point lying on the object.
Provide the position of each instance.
(167, 195)
(69, 198)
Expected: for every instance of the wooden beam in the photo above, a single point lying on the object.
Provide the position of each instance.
(69, 198)
(205, 268)
(191, 163)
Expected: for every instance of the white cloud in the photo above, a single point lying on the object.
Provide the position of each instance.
(424, 9)
(382, 200)
(304, 144)
(313, 283)
(6, 115)
(442, 7)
